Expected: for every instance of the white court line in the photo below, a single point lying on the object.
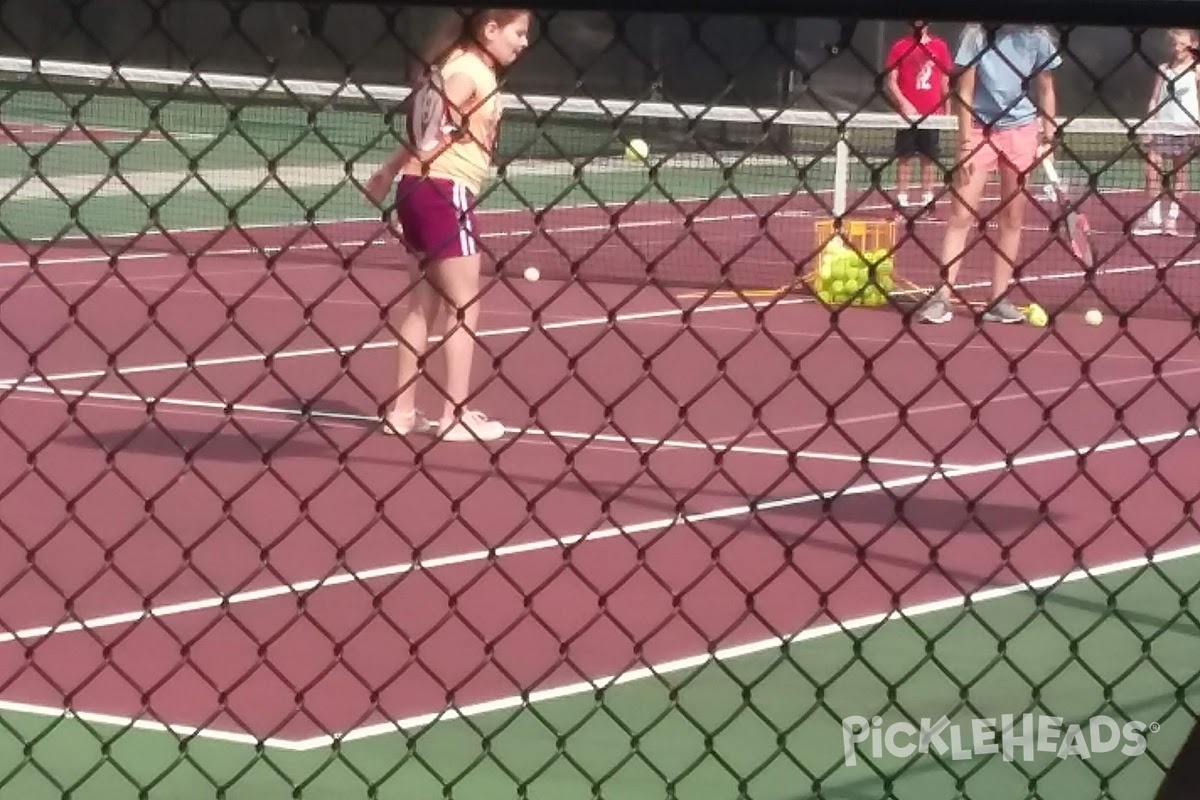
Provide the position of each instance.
(690, 662)
(143, 724)
(322, 245)
(667, 444)
(958, 405)
(173, 366)
(744, 305)
(524, 213)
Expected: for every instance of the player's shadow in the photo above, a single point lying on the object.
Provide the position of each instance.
(849, 522)
(941, 514)
(287, 444)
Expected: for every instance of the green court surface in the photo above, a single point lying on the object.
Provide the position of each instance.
(766, 725)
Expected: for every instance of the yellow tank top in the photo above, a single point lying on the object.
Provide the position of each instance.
(468, 158)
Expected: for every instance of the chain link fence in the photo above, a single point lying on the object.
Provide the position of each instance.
(748, 58)
(841, 391)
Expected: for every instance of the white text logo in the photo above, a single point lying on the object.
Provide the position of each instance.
(1001, 736)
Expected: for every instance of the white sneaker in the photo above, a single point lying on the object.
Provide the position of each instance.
(473, 426)
(399, 424)
(1147, 225)
(927, 200)
(902, 199)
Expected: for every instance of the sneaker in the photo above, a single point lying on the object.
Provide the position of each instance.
(1003, 312)
(1148, 225)
(935, 311)
(400, 424)
(927, 200)
(473, 426)
(902, 199)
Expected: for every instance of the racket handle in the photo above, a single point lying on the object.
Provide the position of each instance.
(1051, 172)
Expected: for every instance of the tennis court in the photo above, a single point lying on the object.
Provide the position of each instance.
(722, 523)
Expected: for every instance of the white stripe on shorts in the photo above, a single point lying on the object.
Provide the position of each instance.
(466, 241)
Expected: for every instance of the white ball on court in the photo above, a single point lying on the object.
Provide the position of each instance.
(532, 273)
(1093, 317)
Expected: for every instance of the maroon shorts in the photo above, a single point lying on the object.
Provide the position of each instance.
(437, 216)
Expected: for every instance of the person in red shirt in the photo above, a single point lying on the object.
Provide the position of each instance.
(918, 70)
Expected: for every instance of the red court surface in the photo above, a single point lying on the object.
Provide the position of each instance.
(665, 465)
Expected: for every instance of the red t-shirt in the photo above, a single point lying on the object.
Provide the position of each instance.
(920, 67)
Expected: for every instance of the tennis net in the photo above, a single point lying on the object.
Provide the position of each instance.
(103, 155)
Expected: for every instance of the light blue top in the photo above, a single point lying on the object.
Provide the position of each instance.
(1002, 66)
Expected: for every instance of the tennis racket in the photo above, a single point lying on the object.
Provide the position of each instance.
(1078, 231)
(430, 127)
(430, 132)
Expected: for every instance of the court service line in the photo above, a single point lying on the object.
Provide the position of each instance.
(743, 305)
(881, 416)
(691, 662)
(1042, 349)
(668, 444)
(144, 282)
(328, 419)
(582, 322)
(613, 223)
(331, 248)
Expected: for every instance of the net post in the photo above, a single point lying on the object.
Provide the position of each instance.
(841, 175)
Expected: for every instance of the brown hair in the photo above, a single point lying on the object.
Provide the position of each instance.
(460, 28)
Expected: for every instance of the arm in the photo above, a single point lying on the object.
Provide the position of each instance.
(961, 100)
(947, 67)
(898, 98)
(1047, 103)
(899, 101)
(458, 91)
(1154, 93)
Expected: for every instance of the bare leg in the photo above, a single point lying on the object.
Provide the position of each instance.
(1013, 201)
(1151, 221)
(903, 169)
(964, 215)
(927, 176)
(1179, 184)
(457, 281)
(420, 312)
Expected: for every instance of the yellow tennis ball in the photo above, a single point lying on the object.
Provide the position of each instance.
(1093, 316)
(1037, 316)
(532, 274)
(637, 150)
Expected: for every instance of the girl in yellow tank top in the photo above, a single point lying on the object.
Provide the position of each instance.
(453, 118)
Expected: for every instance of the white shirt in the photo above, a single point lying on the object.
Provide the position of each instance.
(1177, 101)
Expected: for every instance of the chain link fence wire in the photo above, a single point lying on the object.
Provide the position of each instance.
(684, 494)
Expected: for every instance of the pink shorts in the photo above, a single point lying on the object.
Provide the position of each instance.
(437, 216)
(1017, 147)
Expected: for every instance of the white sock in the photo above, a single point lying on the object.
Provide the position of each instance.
(1173, 211)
